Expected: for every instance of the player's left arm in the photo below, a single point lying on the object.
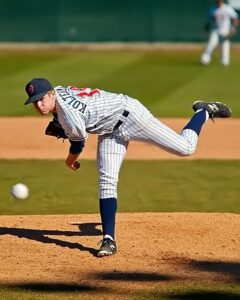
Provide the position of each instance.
(234, 20)
(233, 28)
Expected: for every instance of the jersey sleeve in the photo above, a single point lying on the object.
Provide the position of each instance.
(74, 126)
(233, 13)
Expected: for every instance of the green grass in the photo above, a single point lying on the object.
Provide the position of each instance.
(174, 290)
(167, 82)
(155, 186)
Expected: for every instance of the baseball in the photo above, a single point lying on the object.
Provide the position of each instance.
(20, 191)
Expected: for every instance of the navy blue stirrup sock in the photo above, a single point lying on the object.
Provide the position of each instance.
(108, 209)
(197, 121)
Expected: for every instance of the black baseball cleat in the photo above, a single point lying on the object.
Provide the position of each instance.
(107, 248)
(215, 109)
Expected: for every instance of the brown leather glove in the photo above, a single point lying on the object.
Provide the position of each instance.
(54, 128)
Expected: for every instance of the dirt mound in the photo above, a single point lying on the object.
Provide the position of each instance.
(153, 249)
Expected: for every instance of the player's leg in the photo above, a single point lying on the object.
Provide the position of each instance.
(225, 51)
(145, 127)
(110, 154)
(164, 137)
(211, 45)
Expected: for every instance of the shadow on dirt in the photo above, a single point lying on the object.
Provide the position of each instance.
(55, 287)
(229, 270)
(41, 235)
(133, 276)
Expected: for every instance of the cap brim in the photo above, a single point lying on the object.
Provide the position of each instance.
(35, 98)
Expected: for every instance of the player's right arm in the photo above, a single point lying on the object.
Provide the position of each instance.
(76, 134)
(74, 152)
(72, 161)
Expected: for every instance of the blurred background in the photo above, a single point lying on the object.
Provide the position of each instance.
(148, 49)
(104, 20)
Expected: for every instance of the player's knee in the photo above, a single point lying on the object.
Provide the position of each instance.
(108, 188)
(187, 151)
(107, 193)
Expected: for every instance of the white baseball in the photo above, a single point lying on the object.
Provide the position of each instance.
(20, 191)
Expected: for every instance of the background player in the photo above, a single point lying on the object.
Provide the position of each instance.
(117, 119)
(221, 24)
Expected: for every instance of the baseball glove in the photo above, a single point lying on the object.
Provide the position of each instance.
(55, 129)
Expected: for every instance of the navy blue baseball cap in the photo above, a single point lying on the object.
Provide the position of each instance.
(37, 88)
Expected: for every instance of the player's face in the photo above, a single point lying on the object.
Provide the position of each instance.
(46, 104)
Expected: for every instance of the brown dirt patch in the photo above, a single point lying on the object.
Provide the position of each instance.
(24, 138)
(160, 248)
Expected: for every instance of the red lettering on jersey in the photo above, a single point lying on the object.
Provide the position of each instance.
(85, 91)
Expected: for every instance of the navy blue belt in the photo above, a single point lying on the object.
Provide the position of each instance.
(119, 123)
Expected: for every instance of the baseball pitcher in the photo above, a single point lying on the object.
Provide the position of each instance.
(117, 119)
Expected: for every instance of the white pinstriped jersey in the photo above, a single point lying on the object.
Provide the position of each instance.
(84, 110)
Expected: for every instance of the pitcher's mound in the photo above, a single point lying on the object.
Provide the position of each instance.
(153, 248)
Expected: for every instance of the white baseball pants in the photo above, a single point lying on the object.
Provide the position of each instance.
(213, 41)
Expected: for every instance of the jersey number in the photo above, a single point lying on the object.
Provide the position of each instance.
(85, 92)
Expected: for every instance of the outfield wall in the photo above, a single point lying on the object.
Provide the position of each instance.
(103, 20)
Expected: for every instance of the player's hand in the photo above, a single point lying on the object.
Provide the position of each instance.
(72, 164)
(75, 165)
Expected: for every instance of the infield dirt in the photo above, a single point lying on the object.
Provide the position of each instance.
(154, 249)
(220, 140)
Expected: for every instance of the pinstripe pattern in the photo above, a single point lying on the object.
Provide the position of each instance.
(141, 125)
(101, 113)
(110, 154)
(82, 111)
(72, 123)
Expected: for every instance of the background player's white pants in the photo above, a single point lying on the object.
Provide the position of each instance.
(213, 41)
(140, 125)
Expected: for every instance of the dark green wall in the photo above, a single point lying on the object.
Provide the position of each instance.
(103, 20)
